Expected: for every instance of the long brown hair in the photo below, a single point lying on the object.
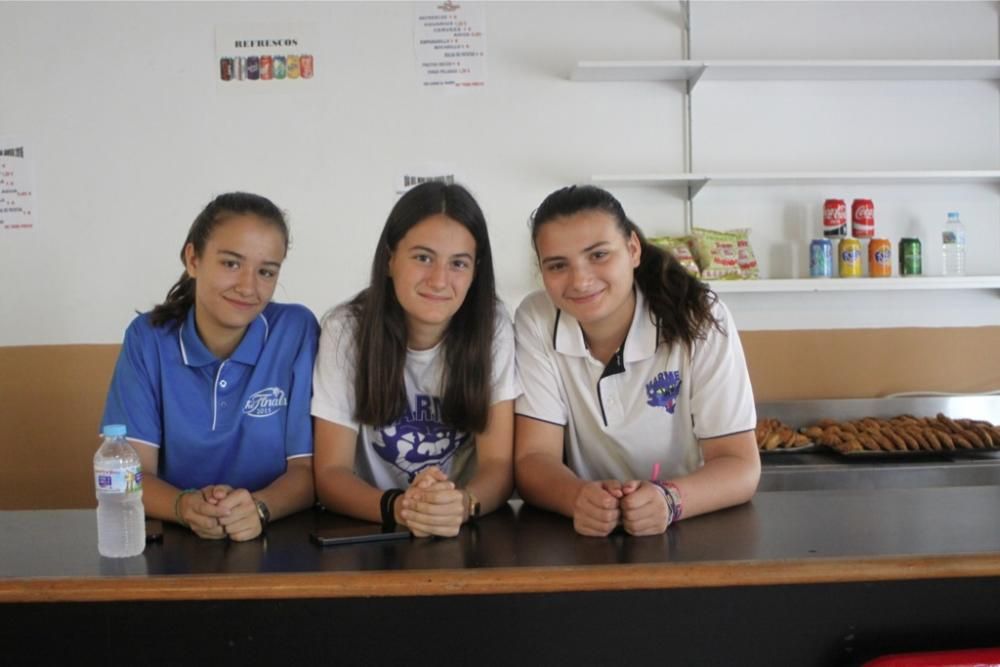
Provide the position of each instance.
(180, 297)
(680, 304)
(380, 328)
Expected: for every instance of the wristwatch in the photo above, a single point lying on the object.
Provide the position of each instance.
(474, 507)
(263, 513)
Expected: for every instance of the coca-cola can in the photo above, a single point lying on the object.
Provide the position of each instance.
(226, 69)
(862, 219)
(834, 217)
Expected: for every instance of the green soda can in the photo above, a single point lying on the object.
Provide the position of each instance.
(910, 257)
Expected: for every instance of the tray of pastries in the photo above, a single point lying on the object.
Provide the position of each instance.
(905, 435)
(776, 437)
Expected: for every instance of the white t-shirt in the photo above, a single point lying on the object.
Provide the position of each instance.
(651, 404)
(391, 456)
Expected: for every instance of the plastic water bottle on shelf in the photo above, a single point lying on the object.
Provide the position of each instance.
(953, 246)
(121, 520)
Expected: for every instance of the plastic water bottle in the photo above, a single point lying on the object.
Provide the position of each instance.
(953, 246)
(121, 520)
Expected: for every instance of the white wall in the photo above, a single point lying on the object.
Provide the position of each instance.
(131, 137)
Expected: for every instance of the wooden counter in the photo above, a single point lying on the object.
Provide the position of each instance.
(828, 575)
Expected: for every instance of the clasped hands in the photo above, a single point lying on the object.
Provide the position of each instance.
(432, 505)
(640, 506)
(218, 511)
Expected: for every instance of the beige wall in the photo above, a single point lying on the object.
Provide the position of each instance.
(52, 397)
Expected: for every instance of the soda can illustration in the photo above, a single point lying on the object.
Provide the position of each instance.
(253, 68)
(306, 66)
(279, 67)
(292, 64)
(266, 67)
(226, 69)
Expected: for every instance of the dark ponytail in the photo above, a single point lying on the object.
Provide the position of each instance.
(679, 303)
(180, 297)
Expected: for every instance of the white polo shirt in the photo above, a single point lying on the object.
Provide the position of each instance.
(651, 404)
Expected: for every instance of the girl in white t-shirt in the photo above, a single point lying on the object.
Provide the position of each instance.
(415, 378)
(637, 406)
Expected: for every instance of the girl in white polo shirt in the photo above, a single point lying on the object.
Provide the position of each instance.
(637, 407)
(415, 377)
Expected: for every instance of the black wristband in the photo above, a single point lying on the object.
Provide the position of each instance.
(386, 506)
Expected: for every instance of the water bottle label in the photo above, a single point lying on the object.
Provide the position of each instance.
(123, 480)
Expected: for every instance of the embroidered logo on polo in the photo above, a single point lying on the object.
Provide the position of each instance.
(419, 439)
(662, 390)
(265, 402)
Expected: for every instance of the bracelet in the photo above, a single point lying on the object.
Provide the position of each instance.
(674, 503)
(386, 507)
(177, 506)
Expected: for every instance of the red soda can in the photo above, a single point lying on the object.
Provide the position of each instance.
(265, 67)
(226, 69)
(834, 217)
(862, 218)
(306, 66)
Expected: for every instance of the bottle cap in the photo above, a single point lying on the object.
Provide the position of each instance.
(114, 430)
(952, 215)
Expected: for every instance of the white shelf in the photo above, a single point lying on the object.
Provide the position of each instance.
(855, 284)
(699, 181)
(786, 70)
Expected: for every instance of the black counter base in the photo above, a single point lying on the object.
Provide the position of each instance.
(823, 624)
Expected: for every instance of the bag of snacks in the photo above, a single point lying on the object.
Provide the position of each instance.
(679, 248)
(744, 254)
(725, 255)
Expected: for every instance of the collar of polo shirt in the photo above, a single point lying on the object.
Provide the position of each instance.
(640, 342)
(196, 354)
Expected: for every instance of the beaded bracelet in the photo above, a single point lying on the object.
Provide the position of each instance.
(674, 502)
(177, 506)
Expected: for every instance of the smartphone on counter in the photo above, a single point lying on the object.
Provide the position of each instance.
(353, 532)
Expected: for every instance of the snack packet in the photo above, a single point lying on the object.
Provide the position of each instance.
(679, 248)
(725, 255)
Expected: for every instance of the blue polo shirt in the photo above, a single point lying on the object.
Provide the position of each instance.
(229, 421)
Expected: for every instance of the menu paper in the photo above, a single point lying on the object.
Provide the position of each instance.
(17, 204)
(450, 43)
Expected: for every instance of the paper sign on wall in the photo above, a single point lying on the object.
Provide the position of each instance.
(431, 171)
(264, 57)
(17, 186)
(450, 43)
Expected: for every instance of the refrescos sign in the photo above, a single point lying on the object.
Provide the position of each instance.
(264, 56)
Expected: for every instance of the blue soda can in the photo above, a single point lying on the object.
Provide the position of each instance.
(279, 67)
(821, 258)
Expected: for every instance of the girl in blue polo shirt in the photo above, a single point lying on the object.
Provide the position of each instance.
(415, 380)
(637, 407)
(214, 383)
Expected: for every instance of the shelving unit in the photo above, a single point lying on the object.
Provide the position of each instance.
(694, 71)
(698, 181)
(855, 284)
(690, 72)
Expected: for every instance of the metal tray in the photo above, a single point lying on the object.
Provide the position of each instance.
(801, 449)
